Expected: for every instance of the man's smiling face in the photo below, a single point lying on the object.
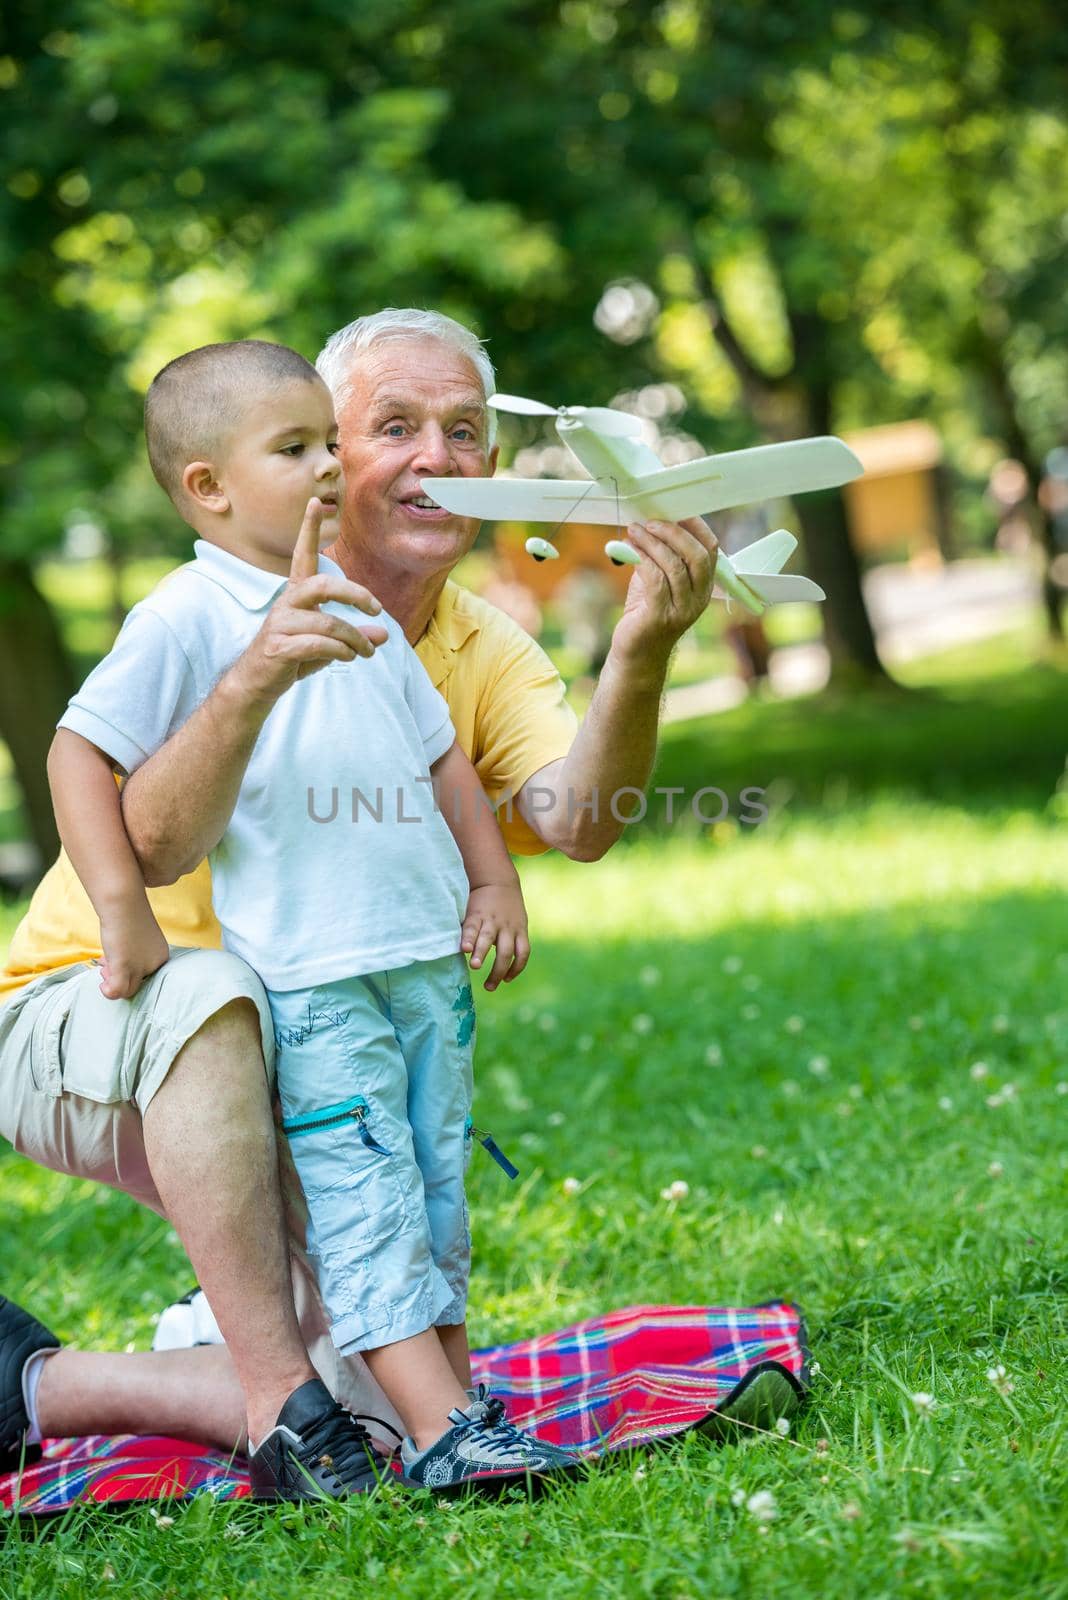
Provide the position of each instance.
(415, 409)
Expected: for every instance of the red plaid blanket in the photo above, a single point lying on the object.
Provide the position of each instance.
(625, 1379)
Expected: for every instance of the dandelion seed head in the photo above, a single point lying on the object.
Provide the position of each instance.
(761, 1505)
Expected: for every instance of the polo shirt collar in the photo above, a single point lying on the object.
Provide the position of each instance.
(451, 625)
(251, 587)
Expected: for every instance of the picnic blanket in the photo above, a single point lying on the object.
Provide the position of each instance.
(610, 1383)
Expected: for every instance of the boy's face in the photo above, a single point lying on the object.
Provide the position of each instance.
(283, 451)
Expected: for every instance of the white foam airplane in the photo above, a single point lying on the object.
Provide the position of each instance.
(629, 483)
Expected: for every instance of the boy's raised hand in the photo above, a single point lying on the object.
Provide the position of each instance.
(298, 638)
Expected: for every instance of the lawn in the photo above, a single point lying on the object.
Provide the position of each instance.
(847, 1033)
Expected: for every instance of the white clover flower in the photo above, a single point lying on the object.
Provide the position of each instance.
(758, 1152)
(945, 1103)
(762, 1506)
(790, 1087)
(778, 1217)
(915, 1023)
(995, 1170)
(737, 1497)
(732, 964)
(851, 1511)
(571, 1186)
(995, 1100)
(1061, 1088)
(556, 1119)
(642, 1023)
(782, 1426)
(1008, 1091)
(855, 1091)
(585, 1042)
(649, 976)
(1000, 1379)
(795, 1024)
(924, 1402)
(750, 1013)
(819, 1066)
(546, 1022)
(844, 1108)
(978, 1071)
(815, 1369)
(1000, 1024)
(679, 1189)
(639, 1474)
(713, 1056)
(908, 1541)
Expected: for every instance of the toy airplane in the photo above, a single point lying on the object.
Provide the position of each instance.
(629, 483)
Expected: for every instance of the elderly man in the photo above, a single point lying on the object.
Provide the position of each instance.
(410, 392)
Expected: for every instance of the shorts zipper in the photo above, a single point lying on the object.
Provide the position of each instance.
(489, 1143)
(356, 1110)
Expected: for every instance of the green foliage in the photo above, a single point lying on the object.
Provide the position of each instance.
(816, 211)
(794, 1027)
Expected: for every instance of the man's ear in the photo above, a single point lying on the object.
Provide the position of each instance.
(492, 459)
(203, 487)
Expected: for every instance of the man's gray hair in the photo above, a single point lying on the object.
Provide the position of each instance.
(334, 362)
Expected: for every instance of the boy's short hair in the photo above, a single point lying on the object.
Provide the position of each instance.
(196, 400)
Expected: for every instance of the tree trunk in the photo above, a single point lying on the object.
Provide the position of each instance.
(36, 681)
(832, 563)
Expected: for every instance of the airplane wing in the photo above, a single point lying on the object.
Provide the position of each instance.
(553, 500)
(742, 477)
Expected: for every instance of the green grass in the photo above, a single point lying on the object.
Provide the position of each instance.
(779, 1018)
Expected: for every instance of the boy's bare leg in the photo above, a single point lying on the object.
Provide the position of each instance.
(210, 1143)
(454, 1343)
(419, 1379)
(187, 1394)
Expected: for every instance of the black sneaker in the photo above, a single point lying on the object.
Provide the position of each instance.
(21, 1336)
(315, 1451)
(483, 1451)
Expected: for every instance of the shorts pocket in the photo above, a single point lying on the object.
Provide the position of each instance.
(46, 1042)
(350, 1177)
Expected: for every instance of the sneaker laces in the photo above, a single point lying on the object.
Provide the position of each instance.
(489, 1421)
(340, 1442)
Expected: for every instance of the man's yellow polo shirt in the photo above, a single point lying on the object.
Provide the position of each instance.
(508, 708)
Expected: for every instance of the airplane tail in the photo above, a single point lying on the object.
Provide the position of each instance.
(761, 564)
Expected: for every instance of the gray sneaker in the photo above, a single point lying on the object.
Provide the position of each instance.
(483, 1451)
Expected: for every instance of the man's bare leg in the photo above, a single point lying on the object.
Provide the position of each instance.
(454, 1343)
(419, 1380)
(210, 1143)
(186, 1394)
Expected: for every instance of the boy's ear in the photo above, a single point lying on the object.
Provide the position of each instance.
(203, 488)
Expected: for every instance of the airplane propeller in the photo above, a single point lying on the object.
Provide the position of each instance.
(601, 419)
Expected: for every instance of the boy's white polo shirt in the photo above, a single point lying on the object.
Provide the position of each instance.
(335, 861)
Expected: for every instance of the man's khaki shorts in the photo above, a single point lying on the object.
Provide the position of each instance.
(77, 1071)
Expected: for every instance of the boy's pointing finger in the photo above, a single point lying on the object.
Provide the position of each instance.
(305, 562)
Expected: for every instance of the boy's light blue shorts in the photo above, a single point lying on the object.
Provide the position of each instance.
(374, 1075)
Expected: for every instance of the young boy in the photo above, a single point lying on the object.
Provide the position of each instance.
(338, 880)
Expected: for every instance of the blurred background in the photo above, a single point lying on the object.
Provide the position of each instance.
(743, 223)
